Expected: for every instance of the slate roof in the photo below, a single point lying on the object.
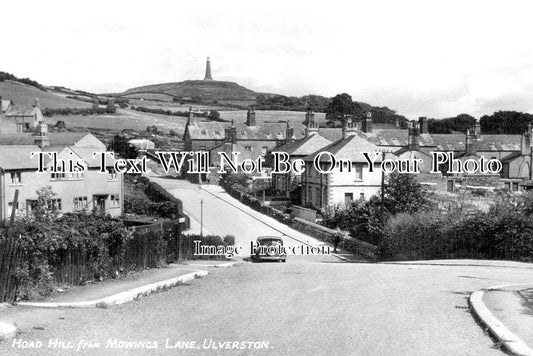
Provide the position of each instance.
(380, 137)
(351, 148)
(20, 110)
(86, 153)
(511, 157)
(236, 147)
(268, 131)
(59, 139)
(305, 146)
(18, 157)
(457, 142)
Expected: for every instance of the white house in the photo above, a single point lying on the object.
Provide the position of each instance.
(343, 183)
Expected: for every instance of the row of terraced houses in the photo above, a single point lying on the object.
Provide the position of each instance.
(305, 140)
(23, 132)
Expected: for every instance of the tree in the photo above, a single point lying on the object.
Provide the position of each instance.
(506, 122)
(403, 194)
(214, 115)
(61, 126)
(121, 146)
(339, 106)
(460, 123)
(110, 108)
(47, 208)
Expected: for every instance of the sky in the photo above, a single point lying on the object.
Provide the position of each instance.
(420, 58)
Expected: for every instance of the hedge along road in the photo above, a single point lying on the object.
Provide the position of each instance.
(228, 216)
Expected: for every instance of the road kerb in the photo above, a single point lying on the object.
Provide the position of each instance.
(123, 297)
(7, 331)
(508, 339)
(220, 265)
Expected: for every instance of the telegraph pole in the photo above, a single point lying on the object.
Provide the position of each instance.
(202, 218)
(382, 189)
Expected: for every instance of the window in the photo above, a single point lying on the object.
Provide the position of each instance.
(248, 148)
(515, 186)
(80, 203)
(358, 172)
(58, 174)
(15, 178)
(54, 204)
(348, 198)
(264, 150)
(76, 175)
(317, 191)
(362, 196)
(10, 208)
(309, 194)
(112, 174)
(115, 200)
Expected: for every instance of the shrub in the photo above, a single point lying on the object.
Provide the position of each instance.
(229, 240)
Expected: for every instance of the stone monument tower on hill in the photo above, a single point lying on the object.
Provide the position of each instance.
(208, 70)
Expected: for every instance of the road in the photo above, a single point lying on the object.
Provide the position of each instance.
(309, 305)
(227, 216)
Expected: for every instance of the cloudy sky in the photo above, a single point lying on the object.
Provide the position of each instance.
(421, 58)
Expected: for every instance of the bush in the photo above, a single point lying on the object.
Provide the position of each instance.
(45, 242)
(229, 240)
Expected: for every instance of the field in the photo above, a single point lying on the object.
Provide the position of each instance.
(123, 119)
(131, 119)
(24, 94)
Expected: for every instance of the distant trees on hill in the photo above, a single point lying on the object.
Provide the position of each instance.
(500, 122)
(460, 123)
(505, 122)
(291, 103)
(341, 106)
(8, 76)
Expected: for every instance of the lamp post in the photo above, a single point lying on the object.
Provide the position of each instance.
(202, 218)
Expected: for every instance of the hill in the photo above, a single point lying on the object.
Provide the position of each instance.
(193, 90)
(24, 94)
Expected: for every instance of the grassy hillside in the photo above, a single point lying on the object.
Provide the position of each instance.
(206, 90)
(24, 94)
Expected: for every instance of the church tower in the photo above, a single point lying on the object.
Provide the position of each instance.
(208, 70)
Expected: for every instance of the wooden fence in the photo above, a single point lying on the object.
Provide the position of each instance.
(149, 246)
(10, 257)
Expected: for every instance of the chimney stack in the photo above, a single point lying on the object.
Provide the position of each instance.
(348, 128)
(250, 117)
(309, 117)
(471, 143)
(289, 133)
(423, 124)
(413, 141)
(525, 144)
(367, 122)
(230, 134)
(41, 135)
(477, 129)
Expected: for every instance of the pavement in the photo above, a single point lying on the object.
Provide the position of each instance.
(507, 313)
(109, 292)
